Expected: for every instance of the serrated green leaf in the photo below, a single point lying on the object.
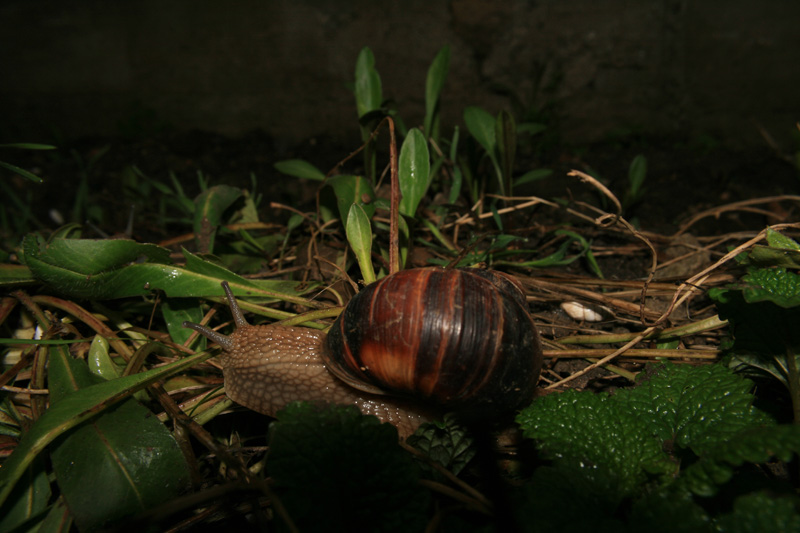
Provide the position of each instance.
(759, 512)
(368, 83)
(414, 167)
(694, 407)
(775, 285)
(755, 445)
(569, 499)
(626, 436)
(319, 458)
(299, 168)
(447, 443)
(359, 235)
(668, 510)
(593, 431)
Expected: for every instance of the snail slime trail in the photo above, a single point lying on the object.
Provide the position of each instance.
(410, 346)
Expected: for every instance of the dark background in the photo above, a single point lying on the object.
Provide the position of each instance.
(713, 69)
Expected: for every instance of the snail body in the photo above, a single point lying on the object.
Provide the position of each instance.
(415, 343)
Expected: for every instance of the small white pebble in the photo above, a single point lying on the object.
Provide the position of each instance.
(578, 311)
(56, 216)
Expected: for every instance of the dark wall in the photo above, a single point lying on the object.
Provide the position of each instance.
(720, 68)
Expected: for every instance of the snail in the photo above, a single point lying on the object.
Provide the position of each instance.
(406, 348)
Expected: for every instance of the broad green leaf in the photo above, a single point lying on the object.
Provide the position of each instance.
(299, 168)
(29, 499)
(351, 190)
(437, 74)
(210, 205)
(114, 269)
(89, 257)
(413, 171)
(319, 457)
(359, 235)
(506, 139)
(178, 311)
(480, 123)
(368, 83)
(15, 276)
(120, 463)
(78, 407)
(777, 239)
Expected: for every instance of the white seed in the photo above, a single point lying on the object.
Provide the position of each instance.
(578, 311)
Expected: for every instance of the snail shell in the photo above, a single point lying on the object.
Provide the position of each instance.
(415, 343)
(461, 340)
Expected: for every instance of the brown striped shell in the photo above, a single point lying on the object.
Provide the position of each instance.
(461, 340)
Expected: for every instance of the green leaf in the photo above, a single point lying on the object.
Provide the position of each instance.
(480, 123)
(414, 167)
(210, 205)
(108, 269)
(319, 458)
(506, 136)
(531, 128)
(636, 175)
(299, 169)
(351, 190)
(759, 512)
(21, 171)
(15, 276)
(447, 443)
(29, 499)
(29, 146)
(75, 408)
(697, 408)
(596, 434)
(777, 239)
(620, 442)
(359, 235)
(776, 285)
(533, 175)
(120, 463)
(756, 445)
(368, 83)
(99, 361)
(437, 74)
